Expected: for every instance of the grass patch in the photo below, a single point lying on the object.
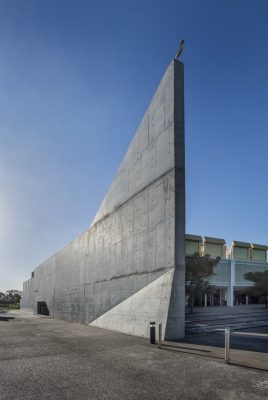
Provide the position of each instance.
(5, 307)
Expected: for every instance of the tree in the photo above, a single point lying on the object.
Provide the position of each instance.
(2, 298)
(10, 297)
(198, 271)
(260, 287)
(13, 296)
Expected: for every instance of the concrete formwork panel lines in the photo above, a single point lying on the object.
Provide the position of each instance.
(134, 314)
(136, 236)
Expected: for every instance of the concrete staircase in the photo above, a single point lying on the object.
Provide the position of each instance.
(205, 320)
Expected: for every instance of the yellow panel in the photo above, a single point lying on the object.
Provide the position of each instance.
(223, 251)
(191, 247)
(258, 255)
(213, 249)
(240, 253)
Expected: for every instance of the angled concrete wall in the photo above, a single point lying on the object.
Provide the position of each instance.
(133, 252)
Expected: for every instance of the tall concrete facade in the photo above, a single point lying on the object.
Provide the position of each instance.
(128, 268)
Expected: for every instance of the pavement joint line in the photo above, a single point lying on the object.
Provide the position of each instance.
(187, 348)
(236, 364)
(198, 352)
(250, 334)
(194, 352)
(192, 332)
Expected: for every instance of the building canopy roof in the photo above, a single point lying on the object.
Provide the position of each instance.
(208, 239)
(259, 246)
(235, 243)
(194, 238)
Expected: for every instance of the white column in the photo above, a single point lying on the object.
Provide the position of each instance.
(246, 298)
(206, 300)
(230, 290)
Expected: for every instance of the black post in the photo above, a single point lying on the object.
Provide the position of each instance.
(152, 332)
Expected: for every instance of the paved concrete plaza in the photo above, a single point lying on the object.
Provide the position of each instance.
(254, 340)
(212, 319)
(44, 358)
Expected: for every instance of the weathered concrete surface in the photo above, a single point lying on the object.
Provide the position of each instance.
(44, 359)
(27, 301)
(131, 316)
(137, 235)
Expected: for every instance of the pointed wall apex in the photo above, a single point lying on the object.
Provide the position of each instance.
(136, 239)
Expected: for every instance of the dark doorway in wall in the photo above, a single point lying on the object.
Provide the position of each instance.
(42, 308)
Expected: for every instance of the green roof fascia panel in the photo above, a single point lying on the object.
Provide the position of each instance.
(235, 243)
(259, 246)
(194, 238)
(214, 240)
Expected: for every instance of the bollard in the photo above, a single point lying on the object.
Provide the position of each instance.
(152, 332)
(159, 336)
(227, 345)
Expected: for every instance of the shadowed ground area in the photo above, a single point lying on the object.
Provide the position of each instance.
(5, 318)
(252, 340)
(212, 319)
(43, 358)
(248, 324)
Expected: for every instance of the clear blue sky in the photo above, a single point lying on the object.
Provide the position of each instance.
(75, 79)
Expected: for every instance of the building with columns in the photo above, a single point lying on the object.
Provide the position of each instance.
(229, 282)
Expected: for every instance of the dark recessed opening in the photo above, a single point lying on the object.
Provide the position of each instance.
(42, 308)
